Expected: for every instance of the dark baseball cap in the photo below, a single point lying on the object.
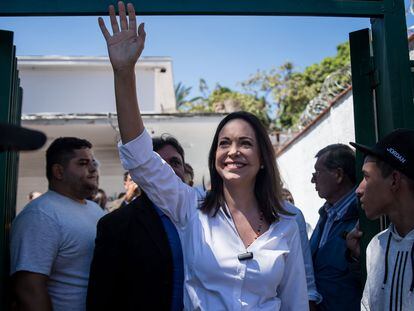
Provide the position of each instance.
(396, 149)
(16, 138)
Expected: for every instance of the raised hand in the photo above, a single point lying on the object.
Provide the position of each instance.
(126, 45)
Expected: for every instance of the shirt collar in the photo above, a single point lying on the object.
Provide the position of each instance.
(341, 206)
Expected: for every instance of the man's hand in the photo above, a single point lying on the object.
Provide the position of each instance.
(352, 241)
(132, 191)
(126, 45)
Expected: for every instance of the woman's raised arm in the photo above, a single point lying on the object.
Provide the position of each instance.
(125, 46)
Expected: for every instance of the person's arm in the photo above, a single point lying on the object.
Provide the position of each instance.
(155, 177)
(293, 290)
(34, 243)
(313, 295)
(31, 291)
(125, 46)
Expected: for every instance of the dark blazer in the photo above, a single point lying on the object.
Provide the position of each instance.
(132, 263)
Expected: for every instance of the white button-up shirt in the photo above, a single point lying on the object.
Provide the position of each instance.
(215, 279)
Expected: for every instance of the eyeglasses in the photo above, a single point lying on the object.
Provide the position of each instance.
(316, 174)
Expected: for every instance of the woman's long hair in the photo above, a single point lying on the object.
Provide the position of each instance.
(267, 188)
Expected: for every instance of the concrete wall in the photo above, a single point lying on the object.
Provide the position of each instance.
(297, 162)
(194, 132)
(85, 85)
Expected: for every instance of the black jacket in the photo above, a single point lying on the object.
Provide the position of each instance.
(132, 263)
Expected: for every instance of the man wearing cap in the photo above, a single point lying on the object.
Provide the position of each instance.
(387, 189)
(52, 239)
(336, 279)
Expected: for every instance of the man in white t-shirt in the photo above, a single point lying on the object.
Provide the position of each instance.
(388, 189)
(52, 239)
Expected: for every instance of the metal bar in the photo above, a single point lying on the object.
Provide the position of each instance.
(6, 89)
(364, 117)
(395, 106)
(352, 8)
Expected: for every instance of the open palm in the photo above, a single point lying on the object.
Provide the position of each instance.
(126, 44)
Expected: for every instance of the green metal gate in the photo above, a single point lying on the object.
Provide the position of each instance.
(10, 112)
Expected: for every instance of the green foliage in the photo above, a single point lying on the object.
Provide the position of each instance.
(181, 93)
(239, 101)
(291, 90)
(223, 99)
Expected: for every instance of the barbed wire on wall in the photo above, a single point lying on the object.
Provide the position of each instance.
(334, 84)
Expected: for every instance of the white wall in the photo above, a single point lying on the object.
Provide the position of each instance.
(297, 162)
(194, 132)
(85, 85)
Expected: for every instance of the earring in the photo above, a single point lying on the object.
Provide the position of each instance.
(261, 166)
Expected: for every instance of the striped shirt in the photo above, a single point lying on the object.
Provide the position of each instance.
(335, 212)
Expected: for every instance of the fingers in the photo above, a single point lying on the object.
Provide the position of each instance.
(355, 234)
(114, 22)
(122, 16)
(123, 21)
(104, 30)
(141, 31)
(132, 17)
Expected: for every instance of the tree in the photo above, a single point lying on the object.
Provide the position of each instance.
(181, 93)
(291, 90)
(223, 99)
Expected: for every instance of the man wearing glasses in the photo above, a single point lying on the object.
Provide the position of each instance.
(337, 280)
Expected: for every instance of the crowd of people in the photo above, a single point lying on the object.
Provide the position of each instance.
(241, 245)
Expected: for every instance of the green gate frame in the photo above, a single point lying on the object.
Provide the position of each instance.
(382, 86)
(10, 112)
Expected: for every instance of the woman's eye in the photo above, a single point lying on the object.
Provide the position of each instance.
(223, 143)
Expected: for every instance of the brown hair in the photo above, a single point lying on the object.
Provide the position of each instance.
(267, 189)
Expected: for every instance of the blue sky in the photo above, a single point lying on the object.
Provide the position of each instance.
(223, 49)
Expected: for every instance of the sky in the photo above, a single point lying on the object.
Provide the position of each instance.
(219, 49)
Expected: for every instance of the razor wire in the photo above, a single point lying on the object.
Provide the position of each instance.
(334, 84)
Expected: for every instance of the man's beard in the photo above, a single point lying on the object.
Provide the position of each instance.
(85, 190)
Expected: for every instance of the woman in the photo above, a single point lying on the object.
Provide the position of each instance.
(241, 250)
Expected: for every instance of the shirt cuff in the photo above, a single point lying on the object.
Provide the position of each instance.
(135, 152)
(315, 296)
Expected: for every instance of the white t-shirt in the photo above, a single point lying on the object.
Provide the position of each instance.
(55, 236)
(215, 279)
(395, 293)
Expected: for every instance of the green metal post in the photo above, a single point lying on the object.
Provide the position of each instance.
(394, 94)
(363, 83)
(9, 113)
